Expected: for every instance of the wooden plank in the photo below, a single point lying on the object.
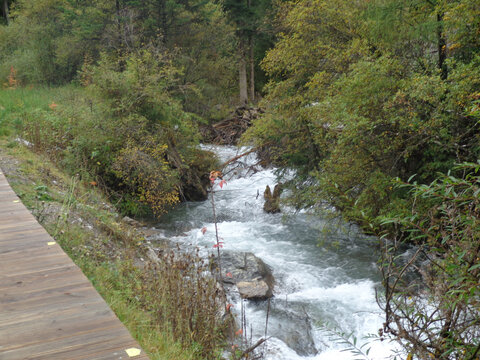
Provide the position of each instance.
(13, 218)
(40, 285)
(78, 347)
(44, 262)
(15, 226)
(33, 236)
(11, 281)
(43, 303)
(62, 324)
(5, 210)
(48, 308)
(30, 252)
(37, 310)
(14, 246)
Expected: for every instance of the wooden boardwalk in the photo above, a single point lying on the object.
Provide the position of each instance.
(48, 308)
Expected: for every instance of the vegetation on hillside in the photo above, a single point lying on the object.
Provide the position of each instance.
(128, 142)
(437, 314)
(361, 94)
(145, 74)
(361, 99)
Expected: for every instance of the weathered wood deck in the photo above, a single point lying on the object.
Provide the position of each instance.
(48, 308)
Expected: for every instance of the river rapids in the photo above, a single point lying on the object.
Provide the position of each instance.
(325, 279)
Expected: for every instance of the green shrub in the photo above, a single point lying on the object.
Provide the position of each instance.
(124, 131)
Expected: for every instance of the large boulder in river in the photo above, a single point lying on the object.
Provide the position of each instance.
(249, 273)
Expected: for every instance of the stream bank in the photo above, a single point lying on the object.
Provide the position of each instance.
(112, 252)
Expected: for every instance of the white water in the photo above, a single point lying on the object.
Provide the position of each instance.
(333, 283)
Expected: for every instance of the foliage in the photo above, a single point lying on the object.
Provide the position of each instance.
(442, 322)
(50, 41)
(153, 136)
(359, 93)
(362, 93)
(125, 131)
(350, 106)
(349, 341)
(182, 296)
(145, 170)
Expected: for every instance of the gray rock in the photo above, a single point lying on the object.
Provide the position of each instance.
(294, 330)
(249, 273)
(152, 255)
(131, 221)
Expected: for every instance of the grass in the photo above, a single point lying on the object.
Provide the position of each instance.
(15, 102)
(78, 215)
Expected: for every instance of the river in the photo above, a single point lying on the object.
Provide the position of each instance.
(321, 277)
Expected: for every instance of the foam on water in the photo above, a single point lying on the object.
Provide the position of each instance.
(327, 284)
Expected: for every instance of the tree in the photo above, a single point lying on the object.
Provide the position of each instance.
(357, 98)
(312, 50)
(362, 93)
(5, 13)
(247, 15)
(419, 23)
(50, 40)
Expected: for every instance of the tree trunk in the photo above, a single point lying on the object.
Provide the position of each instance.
(5, 11)
(252, 69)
(442, 47)
(120, 43)
(162, 18)
(117, 12)
(242, 72)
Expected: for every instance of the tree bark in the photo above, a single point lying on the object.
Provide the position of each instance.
(162, 18)
(442, 47)
(252, 69)
(242, 72)
(5, 11)
(119, 16)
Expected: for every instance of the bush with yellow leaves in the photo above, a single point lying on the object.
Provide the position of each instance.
(145, 170)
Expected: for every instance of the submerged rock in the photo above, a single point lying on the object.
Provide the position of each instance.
(294, 330)
(249, 273)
